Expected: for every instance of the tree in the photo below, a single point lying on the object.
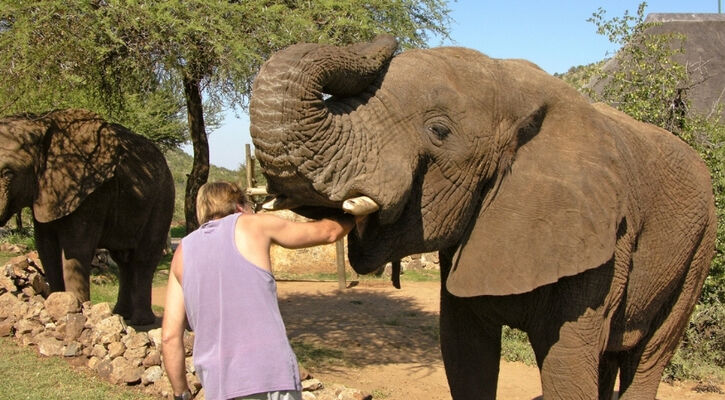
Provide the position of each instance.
(194, 49)
(57, 54)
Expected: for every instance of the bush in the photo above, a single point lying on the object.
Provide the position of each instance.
(701, 355)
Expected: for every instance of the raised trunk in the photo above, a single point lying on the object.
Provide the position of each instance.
(200, 167)
(292, 125)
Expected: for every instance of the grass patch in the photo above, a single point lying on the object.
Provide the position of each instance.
(5, 257)
(421, 275)
(314, 356)
(26, 375)
(515, 346)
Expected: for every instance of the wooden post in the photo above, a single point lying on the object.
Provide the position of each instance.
(250, 165)
(340, 247)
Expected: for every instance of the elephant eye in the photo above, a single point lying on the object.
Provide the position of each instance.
(439, 131)
(7, 173)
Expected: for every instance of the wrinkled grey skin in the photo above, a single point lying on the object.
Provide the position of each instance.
(588, 230)
(91, 185)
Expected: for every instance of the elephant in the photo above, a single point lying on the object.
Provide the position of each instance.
(91, 184)
(588, 230)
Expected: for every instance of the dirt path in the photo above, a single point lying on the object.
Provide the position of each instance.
(387, 340)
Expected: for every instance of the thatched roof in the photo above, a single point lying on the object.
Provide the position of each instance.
(705, 48)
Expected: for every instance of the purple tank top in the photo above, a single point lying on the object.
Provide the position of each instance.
(240, 345)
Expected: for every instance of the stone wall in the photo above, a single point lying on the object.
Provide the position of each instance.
(57, 325)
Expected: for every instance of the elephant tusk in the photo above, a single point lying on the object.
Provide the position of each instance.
(360, 206)
(280, 203)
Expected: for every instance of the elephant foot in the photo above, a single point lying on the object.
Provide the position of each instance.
(143, 318)
(125, 312)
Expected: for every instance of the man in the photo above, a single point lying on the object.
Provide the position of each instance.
(221, 279)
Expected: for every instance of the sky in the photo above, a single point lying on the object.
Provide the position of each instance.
(553, 34)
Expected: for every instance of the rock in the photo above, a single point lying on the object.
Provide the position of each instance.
(7, 283)
(85, 338)
(310, 385)
(194, 382)
(93, 362)
(353, 394)
(155, 337)
(152, 358)
(136, 340)
(104, 368)
(26, 326)
(304, 374)
(50, 346)
(20, 266)
(151, 375)
(72, 349)
(136, 355)
(99, 351)
(20, 310)
(6, 328)
(74, 324)
(39, 284)
(44, 317)
(60, 304)
(34, 310)
(188, 343)
(163, 388)
(308, 396)
(108, 330)
(99, 312)
(28, 291)
(189, 363)
(116, 349)
(8, 302)
(123, 371)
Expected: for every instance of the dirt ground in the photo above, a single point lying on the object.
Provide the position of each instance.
(387, 339)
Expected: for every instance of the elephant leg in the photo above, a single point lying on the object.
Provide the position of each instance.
(76, 272)
(78, 236)
(46, 241)
(570, 333)
(124, 302)
(568, 362)
(134, 291)
(642, 367)
(137, 269)
(471, 350)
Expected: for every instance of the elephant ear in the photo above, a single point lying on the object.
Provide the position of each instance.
(81, 153)
(554, 213)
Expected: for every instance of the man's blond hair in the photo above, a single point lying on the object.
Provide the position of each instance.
(218, 199)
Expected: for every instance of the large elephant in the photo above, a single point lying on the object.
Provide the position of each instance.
(91, 184)
(588, 230)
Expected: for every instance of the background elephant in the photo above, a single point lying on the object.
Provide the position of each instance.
(91, 185)
(588, 230)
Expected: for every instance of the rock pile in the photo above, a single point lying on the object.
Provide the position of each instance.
(58, 325)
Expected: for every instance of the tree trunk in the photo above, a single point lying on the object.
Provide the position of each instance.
(200, 167)
(19, 220)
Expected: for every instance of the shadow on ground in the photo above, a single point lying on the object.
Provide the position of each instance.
(368, 326)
